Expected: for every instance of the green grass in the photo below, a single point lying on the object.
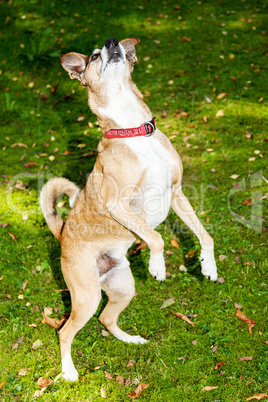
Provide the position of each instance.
(195, 50)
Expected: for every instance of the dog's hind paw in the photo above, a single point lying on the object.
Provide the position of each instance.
(68, 369)
(208, 263)
(157, 266)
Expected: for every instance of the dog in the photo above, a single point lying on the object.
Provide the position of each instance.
(135, 180)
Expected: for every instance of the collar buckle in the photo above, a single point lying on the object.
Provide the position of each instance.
(150, 127)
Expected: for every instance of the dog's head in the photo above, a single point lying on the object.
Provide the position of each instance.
(114, 61)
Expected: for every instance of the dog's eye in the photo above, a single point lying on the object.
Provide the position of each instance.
(94, 57)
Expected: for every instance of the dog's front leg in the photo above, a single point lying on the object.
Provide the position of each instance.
(184, 210)
(123, 214)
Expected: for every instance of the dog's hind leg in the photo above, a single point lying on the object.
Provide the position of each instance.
(120, 288)
(184, 210)
(83, 282)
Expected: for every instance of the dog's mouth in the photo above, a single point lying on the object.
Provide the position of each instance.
(115, 57)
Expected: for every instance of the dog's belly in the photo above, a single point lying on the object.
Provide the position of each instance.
(155, 194)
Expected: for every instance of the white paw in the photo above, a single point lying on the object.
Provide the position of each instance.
(68, 369)
(208, 263)
(157, 266)
(134, 339)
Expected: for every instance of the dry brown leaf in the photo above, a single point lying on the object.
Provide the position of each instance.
(44, 382)
(140, 246)
(138, 391)
(24, 286)
(103, 393)
(54, 322)
(248, 202)
(246, 358)
(131, 363)
(183, 317)
(119, 379)
(250, 326)
(19, 144)
(108, 375)
(208, 388)
(31, 164)
(205, 119)
(219, 365)
(13, 237)
(222, 257)
(174, 243)
(104, 333)
(244, 318)
(257, 396)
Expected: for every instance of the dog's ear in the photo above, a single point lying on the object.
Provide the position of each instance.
(75, 64)
(129, 46)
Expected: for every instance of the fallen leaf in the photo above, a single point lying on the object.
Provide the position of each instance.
(208, 388)
(244, 318)
(234, 176)
(80, 118)
(248, 202)
(31, 164)
(194, 342)
(140, 246)
(246, 358)
(210, 150)
(219, 365)
(238, 305)
(233, 78)
(103, 393)
(19, 144)
(182, 268)
(220, 113)
(48, 310)
(104, 333)
(214, 349)
(168, 252)
(24, 286)
(167, 302)
(108, 375)
(119, 379)
(38, 394)
(248, 134)
(13, 237)
(44, 382)
(191, 253)
(37, 344)
(257, 396)
(130, 363)
(222, 257)
(186, 39)
(250, 326)
(183, 317)
(33, 325)
(221, 280)
(252, 159)
(2, 384)
(22, 371)
(54, 322)
(205, 119)
(222, 95)
(138, 391)
(174, 243)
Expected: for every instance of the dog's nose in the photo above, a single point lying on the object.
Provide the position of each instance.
(111, 42)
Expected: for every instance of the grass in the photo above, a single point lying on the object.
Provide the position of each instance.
(189, 53)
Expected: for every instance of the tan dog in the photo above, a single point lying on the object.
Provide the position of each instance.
(136, 179)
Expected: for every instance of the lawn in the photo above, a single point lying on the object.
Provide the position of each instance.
(202, 69)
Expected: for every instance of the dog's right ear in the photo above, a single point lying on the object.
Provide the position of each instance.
(75, 64)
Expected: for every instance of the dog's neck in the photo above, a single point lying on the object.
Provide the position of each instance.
(119, 104)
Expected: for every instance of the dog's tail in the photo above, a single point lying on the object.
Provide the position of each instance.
(48, 197)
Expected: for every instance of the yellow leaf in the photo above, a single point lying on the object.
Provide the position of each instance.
(138, 391)
(222, 95)
(191, 253)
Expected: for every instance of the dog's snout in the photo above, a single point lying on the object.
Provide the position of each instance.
(111, 42)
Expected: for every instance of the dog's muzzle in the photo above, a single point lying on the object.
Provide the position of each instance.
(113, 49)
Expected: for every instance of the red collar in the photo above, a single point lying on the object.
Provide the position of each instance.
(146, 130)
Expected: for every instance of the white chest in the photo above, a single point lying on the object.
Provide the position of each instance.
(156, 192)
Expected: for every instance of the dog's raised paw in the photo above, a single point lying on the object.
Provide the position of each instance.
(136, 339)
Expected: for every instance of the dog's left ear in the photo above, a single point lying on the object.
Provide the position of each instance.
(75, 64)
(129, 46)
